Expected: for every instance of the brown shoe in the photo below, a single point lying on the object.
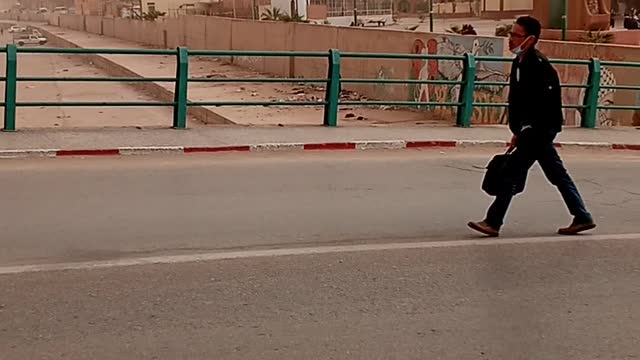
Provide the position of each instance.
(577, 227)
(484, 228)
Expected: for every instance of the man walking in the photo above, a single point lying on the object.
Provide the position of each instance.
(535, 118)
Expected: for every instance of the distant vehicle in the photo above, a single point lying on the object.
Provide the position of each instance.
(17, 29)
(43, 10)
(30, 40)
(60, 10)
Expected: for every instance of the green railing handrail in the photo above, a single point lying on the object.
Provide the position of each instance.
(102, 51)
(464, 104)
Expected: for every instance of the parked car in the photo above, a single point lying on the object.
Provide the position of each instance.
(60, 10)
(17, 29)
(30, 40)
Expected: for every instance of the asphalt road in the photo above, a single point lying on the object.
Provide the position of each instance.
(62, 210)
(554, 302)
(449, 297)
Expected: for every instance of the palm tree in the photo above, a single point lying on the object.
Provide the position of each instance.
(274, 14)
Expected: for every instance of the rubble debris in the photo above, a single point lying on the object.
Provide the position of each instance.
(216, 75)
(349, 95)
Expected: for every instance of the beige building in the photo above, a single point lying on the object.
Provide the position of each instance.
(166, 6)
(124, 8)
(466, 8)
(507, 5)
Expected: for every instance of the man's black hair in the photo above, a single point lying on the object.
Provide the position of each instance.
(530, 25)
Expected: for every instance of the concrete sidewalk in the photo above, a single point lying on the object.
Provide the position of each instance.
(127, 141)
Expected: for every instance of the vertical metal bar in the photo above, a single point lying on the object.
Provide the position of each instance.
(180, 93)
(10, 89)
(430, 15)
(333, 89)
(565, 20)
(467, 88)
(591, 96)
(355, 14)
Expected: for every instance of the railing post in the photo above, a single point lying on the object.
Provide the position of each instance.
(333, 89)
(591, 96)
(10, 89)
(180, 93)
(465, 97)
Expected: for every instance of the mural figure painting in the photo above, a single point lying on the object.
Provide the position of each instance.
(575, 96)
(430, 69)
(578, 74)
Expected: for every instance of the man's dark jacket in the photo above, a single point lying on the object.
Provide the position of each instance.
(535, 98)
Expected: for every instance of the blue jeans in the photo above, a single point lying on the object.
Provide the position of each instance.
(528, 151)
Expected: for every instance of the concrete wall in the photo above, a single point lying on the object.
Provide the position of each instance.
(93, 24)
(518, 5)
(54, 19)
(492, 5)
(109, 27)
(572, 74)
(24, 17)
(75, 22)
(627, 37)
(317, 12)
(198, 32)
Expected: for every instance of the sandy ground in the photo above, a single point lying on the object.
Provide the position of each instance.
(308, 115)
(164, 66)
(72, 66)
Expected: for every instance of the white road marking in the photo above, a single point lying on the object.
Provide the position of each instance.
(227, 255)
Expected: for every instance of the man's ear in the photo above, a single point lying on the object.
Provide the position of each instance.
(529, 42)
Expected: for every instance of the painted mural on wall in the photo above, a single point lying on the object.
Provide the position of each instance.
(382, 90)
(578, 74)
(498, 72)
(635, 120)
(606, 97)
(452, 70)
(575, 96)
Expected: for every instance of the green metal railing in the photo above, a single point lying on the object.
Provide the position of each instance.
(180, 104)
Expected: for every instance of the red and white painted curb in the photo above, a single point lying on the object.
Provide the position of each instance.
(270, 147)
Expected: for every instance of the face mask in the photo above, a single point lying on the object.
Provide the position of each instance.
(518, 50)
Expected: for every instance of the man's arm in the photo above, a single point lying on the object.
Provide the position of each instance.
(542, 88)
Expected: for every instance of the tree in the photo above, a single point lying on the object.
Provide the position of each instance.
(274, 14)
(598, 37)
(466, 29)
(153, 15)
